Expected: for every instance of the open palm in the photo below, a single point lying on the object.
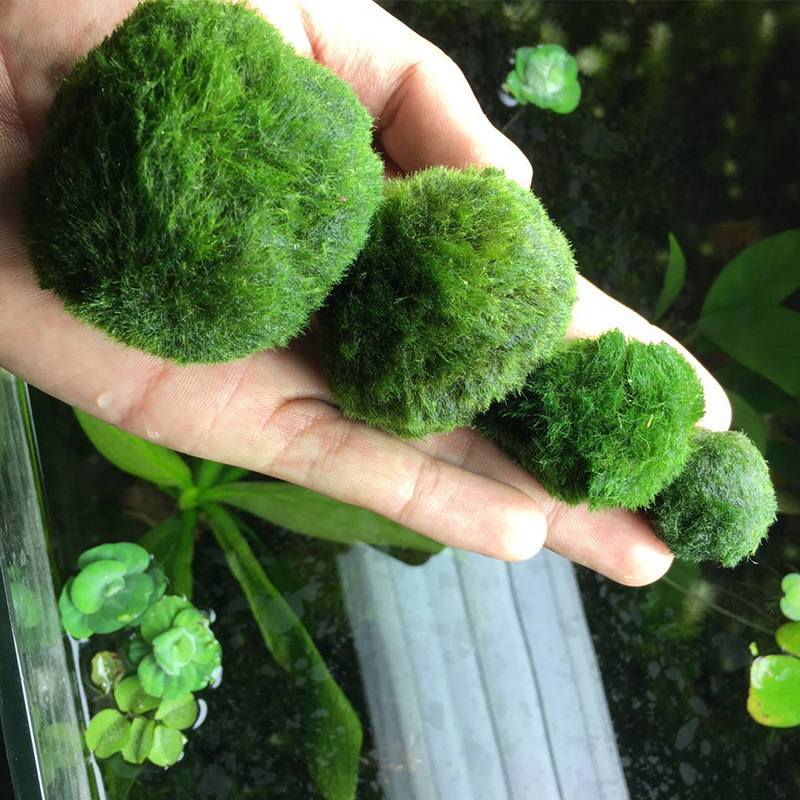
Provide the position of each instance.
(272, 412)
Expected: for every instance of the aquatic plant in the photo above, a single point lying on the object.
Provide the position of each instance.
(603, 420)
(116, 585)
(722, 503)
(546, 76)
(464, 286)
(174, 651)
(170, 202)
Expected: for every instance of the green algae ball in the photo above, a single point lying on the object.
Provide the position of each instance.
(605, 420)
(201, 186)
(463, 286)
(721, 505)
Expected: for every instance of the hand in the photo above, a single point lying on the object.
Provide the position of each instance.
(272, 412)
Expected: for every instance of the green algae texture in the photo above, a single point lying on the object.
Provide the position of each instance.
(464, 285)
(201, 186)
(721, 505)
(605, 420)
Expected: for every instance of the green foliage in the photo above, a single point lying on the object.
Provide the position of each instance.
(790, 602)
(172, 544)
(200, 186)
(299, 509)
(604, 420)
(676, 605)
(774, 698)
(332, 729)
(464, 285)
(546, 76)
(721, 505)
(788, 637)
(180, 654)
(107, 733)
(742, 314)
(115, 587)
(747, 420)
(674, 278)
(108, 670)
(136, 456)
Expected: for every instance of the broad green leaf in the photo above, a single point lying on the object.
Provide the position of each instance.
(134, 455)
(140, 741)
(108, 670)
(130, 696)
(784, 458)
(132, 556)
(766, 339)
(180, 713)
(172, 544)
(747, 420)
(313, 514)
(762, 394)
(774, 698)
(107, 733)
(332, 729)
(119, 776)
(766, 273)
(790, 602)
(167, 746)
(788, 637)
(674, 278)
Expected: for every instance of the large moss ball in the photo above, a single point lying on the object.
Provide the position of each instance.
(604, 420)
(463, 286)
(201, 186)
(721, 505)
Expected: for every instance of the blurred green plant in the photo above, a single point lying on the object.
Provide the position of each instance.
(546, 76)
(173, 650)
(774, 698)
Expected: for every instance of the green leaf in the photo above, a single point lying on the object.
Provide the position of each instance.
(167, 746)
(134, 455)
(788, 637)
(140, 741)
(674, 278)
(762, 394)
(95, 583)
(313, 514)
(158, 619)
(208, 473)
(774, 697)
(130, 696)
(172, 544)
(790, 602)
(180, 713)
(784, 458)
(118, 777)
(133, 557)
(108, 670)
(766, 273)
(748, 420)
(107, 733)
(332, 729)
(766, 339)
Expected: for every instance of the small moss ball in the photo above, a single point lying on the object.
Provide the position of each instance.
(201, 186)
(721, 505)
(464, 285)
(605, 420)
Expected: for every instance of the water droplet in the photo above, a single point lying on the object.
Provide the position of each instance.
(104, 400)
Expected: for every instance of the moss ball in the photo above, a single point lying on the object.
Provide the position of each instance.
(201, 186)
(721, 505)
(604, 420)
(464, 285)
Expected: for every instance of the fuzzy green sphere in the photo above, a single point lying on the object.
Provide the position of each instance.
(201, 186)
(721, 505)
(605, 420)
(464, 285)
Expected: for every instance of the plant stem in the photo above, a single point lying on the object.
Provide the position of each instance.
(719, 609)
(514, 117)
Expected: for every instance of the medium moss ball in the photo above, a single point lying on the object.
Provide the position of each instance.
(463, 286)
(721, 505)
(605, 420)
(200, 186)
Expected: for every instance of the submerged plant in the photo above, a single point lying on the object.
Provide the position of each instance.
(604, 420)
(463, 287)
(546, 76)
(174, 653)
(201, 186)
(721, 505)
(116, 584)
